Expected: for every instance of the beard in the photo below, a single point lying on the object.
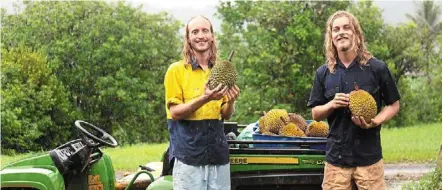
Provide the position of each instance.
(349, 44)
(345, 47)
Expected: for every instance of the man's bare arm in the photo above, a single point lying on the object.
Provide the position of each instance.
(228, 110)
(387, 113)
(229, 107)
(321, 112)
(181, 111)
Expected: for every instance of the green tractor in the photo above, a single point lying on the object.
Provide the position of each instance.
(81, 165)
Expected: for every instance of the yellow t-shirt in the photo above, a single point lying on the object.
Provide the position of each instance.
(183, 84)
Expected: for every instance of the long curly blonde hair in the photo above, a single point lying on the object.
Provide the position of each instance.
(359, 41)
(187, 48)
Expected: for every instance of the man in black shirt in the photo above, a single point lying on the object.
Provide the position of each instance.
(353, 147)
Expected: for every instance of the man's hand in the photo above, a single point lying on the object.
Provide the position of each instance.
(385, 115)
(320, 112)
(360, 121)
(340, 100)
(233, 94)
(216, 93)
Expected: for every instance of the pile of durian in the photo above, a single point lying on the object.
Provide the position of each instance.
(280, 122)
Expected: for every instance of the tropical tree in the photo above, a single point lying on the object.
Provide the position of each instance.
(36, 112)
(280, 46)
(428, 20)
(427, 15)
(111, 58)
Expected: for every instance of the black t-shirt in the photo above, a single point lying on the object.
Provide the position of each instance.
(349, 145)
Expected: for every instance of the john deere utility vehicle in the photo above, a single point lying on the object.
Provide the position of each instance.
(276, 162)
(76, 165)
(80, 165)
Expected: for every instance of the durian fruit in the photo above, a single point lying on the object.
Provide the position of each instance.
(298, 120)
(317, 129)
(291, 130)
(275, 119)
(261, 124)
(269, 133)
(361, 103)
(223, 72)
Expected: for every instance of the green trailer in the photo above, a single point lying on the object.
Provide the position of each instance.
(81, 165)
(269, 168)
(274, 163)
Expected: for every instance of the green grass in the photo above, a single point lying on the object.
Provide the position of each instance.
(128, 158)
(431, 180)
(418, 144)
(4, 159)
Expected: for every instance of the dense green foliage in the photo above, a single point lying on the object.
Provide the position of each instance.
(35, 107)
(108, 59)
(280, 47)
(104, 63)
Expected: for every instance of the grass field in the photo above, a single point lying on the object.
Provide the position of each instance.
(416, 144)
(130, 157)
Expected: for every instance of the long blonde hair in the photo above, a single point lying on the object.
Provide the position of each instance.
(187, 48)
(359, 41)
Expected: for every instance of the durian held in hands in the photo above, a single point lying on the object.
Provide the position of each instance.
(361, 103)
(223, 73)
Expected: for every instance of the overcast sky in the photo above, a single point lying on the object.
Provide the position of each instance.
(393, 11)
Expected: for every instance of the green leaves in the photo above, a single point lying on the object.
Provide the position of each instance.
(111, 58)
(105, 63)
(280, 47)
(32, 103)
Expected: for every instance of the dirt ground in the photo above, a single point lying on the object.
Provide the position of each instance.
(396, 175)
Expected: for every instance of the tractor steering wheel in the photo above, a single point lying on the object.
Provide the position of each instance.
(105, 139)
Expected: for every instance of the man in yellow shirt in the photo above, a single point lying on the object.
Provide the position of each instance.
(195, 113)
